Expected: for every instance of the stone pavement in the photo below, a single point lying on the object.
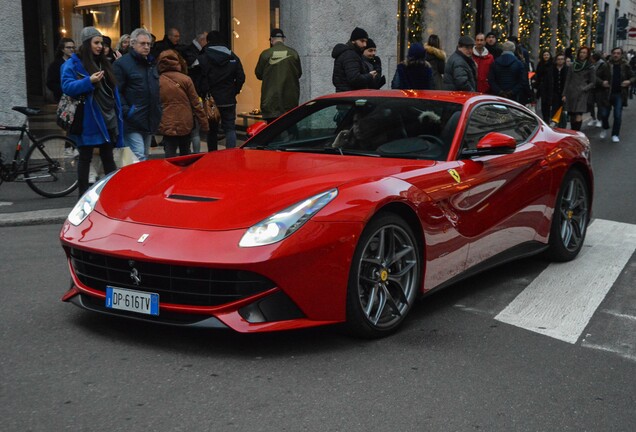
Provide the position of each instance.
(19, 205)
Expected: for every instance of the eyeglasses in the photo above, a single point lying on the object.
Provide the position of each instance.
(69, 47)
(143, 43)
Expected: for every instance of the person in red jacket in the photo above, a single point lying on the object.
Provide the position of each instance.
(484, 60)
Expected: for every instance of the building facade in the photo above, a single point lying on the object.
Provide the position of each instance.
(31, 29)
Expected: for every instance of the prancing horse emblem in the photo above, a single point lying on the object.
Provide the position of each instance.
(134, 275)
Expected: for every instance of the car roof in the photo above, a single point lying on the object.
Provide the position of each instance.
(440, 95)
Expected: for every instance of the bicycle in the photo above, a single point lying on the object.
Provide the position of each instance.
(50, 164)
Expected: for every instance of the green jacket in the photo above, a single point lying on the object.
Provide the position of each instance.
(279, 69)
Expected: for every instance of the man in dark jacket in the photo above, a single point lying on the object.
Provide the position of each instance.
(507, 74)
(222, 77)
(138, 83)
(620, 79)
(170, 41)
(460, 72)
(491, 44)
(373, 63)
(279, 69)
(349, 72)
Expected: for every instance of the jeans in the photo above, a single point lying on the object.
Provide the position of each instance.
(616, 102)
(195, 137)
(228, 118)
(171, 143)
(139, 143)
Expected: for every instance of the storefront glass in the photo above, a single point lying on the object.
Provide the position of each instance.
(250, 27)
(76, 14)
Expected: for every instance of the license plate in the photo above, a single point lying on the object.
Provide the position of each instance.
(131, 300)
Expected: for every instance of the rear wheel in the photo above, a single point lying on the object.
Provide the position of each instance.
(56, 177)
(570, 218)
(384, 277)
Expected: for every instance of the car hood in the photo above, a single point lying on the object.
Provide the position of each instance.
(233, 189)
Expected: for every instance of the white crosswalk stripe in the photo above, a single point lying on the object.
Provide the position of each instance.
(564, 300)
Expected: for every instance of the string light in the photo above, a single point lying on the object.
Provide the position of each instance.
(500, 18)
(416, 29)
(468, 17)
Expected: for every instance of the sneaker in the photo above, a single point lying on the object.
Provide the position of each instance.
(603, 134)
(70, 152)
(615, 138)
(591, 123)
(598, 123)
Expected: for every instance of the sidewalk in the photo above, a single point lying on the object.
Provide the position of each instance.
(19, 205)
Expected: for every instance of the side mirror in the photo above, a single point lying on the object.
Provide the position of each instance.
(255, 128)
(493, 143)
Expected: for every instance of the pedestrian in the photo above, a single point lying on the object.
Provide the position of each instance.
(484, 61)
(436, 57)
(110, 54)
(460, 72)
(179, 102)
(64, 51)
(620, 79)
(280, 70)
(600, 94)
(191, 54)
(556, 87)
(578, 83)
(543, 83)
(349, 72)
(170, 41)
(89, 74)
(596, 59)
(123, 44)
(138, 82)
(373, 63)
(222, 77)
(491, 44)
(414, 73)
(507, 74)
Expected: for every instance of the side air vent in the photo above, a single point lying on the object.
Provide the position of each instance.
(191, 198)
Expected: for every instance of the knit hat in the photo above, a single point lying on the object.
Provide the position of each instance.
(370, 44)
(89, 33)
(358, 33)
(466, 41)
(508, 46)
(277, 33)
(416, 51)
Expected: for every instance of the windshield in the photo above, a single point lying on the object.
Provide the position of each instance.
(380, 127)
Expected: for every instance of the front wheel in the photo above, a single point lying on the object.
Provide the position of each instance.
(384, 277)
(51, 166)
(570, 218)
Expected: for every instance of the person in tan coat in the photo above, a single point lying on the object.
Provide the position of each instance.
(180, 104)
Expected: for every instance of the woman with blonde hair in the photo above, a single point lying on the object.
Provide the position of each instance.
(123, 45)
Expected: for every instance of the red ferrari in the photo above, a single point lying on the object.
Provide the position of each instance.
(345, 210)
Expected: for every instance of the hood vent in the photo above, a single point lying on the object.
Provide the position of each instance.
(191, 198)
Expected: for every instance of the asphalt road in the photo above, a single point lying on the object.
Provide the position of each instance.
(456, 365)
(451, 368)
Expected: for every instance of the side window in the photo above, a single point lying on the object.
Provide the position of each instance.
(498, 118)
(525, 125)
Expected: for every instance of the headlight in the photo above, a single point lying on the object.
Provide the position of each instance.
(87, 202)
(284, 223)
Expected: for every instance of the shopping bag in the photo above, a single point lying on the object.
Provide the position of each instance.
(556, 118)
(124, 156)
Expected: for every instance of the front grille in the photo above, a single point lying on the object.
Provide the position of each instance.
(183, 285)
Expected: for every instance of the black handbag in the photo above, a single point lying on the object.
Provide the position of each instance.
(77, 127)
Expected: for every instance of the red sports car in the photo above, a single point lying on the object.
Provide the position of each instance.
(344, 210)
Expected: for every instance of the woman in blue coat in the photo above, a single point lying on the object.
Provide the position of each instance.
(89, 74)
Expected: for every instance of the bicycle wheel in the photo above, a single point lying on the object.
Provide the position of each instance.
(51, 166)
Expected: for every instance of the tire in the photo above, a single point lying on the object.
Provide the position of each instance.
(384, 278)
(52, 179)
(570, 218)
